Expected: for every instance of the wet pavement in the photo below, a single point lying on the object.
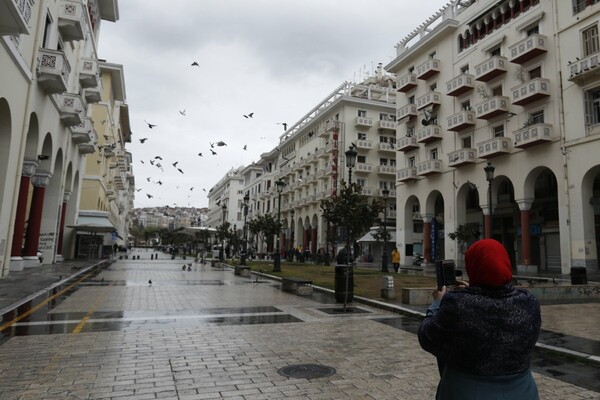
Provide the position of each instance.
(145, 329)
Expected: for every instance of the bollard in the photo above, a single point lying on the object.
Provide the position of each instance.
(156, 256)
(387, 287)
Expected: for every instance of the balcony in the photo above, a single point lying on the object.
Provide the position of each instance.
(391, 194)
(363, 168)
(71, 109)
(329, 147)
(367, 191)
(527, 49)
(332, 125)
(313, 158)
(491, 108)
(388, 125)
(71, 20)
(81, 133)
(15, 16)
(119, 181)
(461, 157)
(89, 76)
(409, 110)
(386, 169)
(461, 120)
(92, 95)
(322, 132)
(364, 122)
(89, 147)
(428, 69)
(428, 99)
(386, 147)
(330, 169)
(493, 147)
(407, 143)
(533, 135)
(490, 68)
(406, 174)
(429, 134)
(53, 70)
(364, 144)
(406, 83)
(531, 91)
(460, 84)
(585, 69)
(429, 167)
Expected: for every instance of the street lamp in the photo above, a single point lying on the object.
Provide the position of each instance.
(292, 226)
(245, 250)
(384, 260)
(222, 252)
(489, 175)
(350, 162)
(277, 260)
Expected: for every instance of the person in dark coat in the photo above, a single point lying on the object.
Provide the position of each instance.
(483, 333)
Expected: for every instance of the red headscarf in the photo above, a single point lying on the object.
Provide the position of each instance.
(488, 264)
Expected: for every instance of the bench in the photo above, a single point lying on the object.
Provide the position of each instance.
(298, 286)
(241, 270)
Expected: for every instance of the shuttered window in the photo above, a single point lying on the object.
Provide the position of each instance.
(592, 107)
(589, 40)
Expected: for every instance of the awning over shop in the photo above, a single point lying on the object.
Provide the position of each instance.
(369, 236)
(94, 224)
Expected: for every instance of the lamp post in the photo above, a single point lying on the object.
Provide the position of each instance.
(292, 226)
(222, 252)
(384, 260)
(245, 249)
(277, 259)
(350, 163)
(489, 175)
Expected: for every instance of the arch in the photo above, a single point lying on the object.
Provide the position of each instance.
(33, 138)
(53, 199)
(411, 232)
(5, 141)
(46, 150)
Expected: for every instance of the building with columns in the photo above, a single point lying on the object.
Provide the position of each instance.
(225, 200)
(50, 76)
(511, 85)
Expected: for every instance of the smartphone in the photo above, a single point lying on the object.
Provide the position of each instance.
(445, 273)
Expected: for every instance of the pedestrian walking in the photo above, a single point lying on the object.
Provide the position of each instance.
(396, 259)
(483, 332)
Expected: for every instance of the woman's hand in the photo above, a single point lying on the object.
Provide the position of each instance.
(438, 294)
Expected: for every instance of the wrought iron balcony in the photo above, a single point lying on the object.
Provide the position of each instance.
(406, 174)
(71, 21)
(490, 68)
(81, 133)
(386, 169)
(429, 134)
(533, 135)
(409, 110)
(387, 125)
(15, 16)
(461, 157)
(585, 69)
(365, 122)
(460, 84)
(528, 48)
(429, 167)
(53, 70)
(493, 147)
(89, 75)
(461, 120)
(428, 69)
(531, 91)
(491, 108)
(407, 143)
(406, 83)
(428, 99)
(71, 109)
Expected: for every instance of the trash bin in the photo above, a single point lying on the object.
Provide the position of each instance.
(340, 283)
(578, 276)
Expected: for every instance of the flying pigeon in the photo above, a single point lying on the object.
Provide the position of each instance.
(192, 188)
(137, 190)
(195, 64)
(148, 179)
(245, 146)
(200, 154)
(150, 282)
(143, 140)
(179, 169)
(149, 124)
(212, 145)
(151, 162)
(214, 153)
(249, 115)
(158, 158)
(175, 164)
(149, 195)
(221, 143)
(182, 112)
(142, 161)
(159, 182)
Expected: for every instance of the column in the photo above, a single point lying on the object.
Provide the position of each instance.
(61, 227)
(32, 236)
(525, 207)
(427, 238)
(487, 222)
(16, 262)
(304, 239)
(313, 241)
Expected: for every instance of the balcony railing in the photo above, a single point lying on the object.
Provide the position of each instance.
(461, 157)
(71, 20)
(388, 125)
(406, 83)
(528, 48)
(364, 144)
(386, 147)
(428, 99)
(15, 16)
(331, 125)
(386, 169)
(363, 168)
(531, 91)
(89, 147)
(461, 120)
(460, 84)
(322, 132)
(391, 194)
(81, 133)
(367, 191)
(585, 69)
(490, 68)
(409, 110)
(491, 108)
(429, 167)
(71, 109)
(89, 75)
(92, 95)
(407, 143)
(429, 134)
(533, 135)
(53, 70)
(493, 147)
(365, 122)
(406, 174)
(428, 69)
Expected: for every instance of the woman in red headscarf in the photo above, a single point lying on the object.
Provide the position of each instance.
(483, 332)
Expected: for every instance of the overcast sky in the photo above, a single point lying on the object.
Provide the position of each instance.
(274, 58)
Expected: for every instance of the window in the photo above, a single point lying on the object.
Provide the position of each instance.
(495, 51)
(384, 117)
(535, 73)
(466, 142)
(411, 161)
(362, 113)
(533, 30)
(465, 106)
(361, 159)
(464, 69)
(411, 100)
(498, 131)
(383, 139)
(361, 135)
(589, 40)
(392, 162)
(433, 87)
(497, 91)
(433, 154)
(47, 28)
(536, 117)
(383, 161)
(361, 182)
(592, 106)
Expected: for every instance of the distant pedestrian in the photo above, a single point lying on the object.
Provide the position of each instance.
(396, 259)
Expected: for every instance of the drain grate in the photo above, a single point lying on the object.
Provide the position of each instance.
(306, 371)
